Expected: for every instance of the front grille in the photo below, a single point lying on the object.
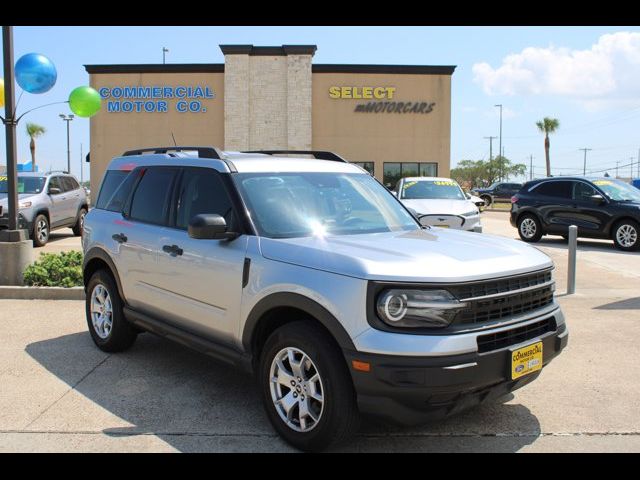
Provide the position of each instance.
(496, 341)
(491, 309)
(481, 289)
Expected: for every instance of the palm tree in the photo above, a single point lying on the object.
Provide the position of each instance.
(547, 125)
(34, 131)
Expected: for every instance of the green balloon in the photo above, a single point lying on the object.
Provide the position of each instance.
(84, 101)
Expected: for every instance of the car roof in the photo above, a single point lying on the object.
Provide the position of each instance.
(570, 177)
(239, 162)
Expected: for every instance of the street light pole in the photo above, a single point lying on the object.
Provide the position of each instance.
(500, 144)
(10, 126)
(68, 118)
(164, 50)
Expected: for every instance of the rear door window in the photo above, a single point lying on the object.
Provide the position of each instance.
(67, 185)
(556, 189)
(151, 197)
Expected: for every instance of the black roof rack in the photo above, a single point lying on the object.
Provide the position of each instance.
(317, 154)
(203, 152)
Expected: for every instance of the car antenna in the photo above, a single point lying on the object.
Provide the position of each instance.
(174, 140)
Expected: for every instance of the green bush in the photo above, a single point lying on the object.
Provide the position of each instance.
(55, 270)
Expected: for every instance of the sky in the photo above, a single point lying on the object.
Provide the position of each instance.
(586, 77)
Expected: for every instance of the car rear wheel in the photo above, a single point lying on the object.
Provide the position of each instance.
(529, 228)
(109, 329)
(41, 230)
(306, 388)
(79, 226)
(626, 235)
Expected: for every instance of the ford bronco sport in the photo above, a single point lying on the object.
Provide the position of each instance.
(309, 273)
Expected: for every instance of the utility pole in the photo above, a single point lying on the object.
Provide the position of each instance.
(490, 154)
(584, 168)
(639, 163)
(530, 167)
(631, 166)
(164, 50)
(10, 128)
(81, 176)
(617, 163)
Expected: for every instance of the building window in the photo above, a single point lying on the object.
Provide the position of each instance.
(394, 171)
(368, 166)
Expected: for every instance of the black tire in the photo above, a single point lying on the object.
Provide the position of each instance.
(339, 417)
(77, 228)
(487, 200)
(40, 231)
(626, 235)
(529, 228)
(122, 334)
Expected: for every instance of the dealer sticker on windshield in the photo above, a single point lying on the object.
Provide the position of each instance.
(526, 360)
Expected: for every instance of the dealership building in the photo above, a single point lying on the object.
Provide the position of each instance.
(394, 120)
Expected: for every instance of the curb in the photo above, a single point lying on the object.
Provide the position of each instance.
(41, 293)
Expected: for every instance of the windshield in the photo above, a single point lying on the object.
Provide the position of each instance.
(422, 189)
(25, 184)
(285, 205)
(618, 190)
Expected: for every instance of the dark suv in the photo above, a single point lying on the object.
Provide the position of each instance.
(599, 207)
(499, 191)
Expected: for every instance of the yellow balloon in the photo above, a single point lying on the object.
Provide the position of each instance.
(1, 93)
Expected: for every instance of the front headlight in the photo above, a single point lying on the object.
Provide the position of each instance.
(470, 214)
(418, 308)
(24, 204)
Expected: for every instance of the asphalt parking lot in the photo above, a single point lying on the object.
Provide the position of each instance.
(60, 393)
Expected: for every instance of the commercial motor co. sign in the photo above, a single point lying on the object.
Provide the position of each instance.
(383, 100)
(156, 99)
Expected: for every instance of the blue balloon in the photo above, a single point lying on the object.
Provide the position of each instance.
(35, 73)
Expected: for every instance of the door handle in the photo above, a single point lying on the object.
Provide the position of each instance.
(172, 250)
(119, 237)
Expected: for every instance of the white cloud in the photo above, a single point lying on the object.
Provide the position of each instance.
(606, 73)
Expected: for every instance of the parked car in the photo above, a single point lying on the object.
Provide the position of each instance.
(599, 207)
(439, 202)
(47, 202)
(498, 192)
(313, 276)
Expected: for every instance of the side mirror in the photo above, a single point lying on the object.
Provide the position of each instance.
(54, 191)
(210, 226)
(597, 198)
(480, 204)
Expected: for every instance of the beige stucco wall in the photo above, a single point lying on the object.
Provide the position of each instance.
(380, 137)
(113, 133)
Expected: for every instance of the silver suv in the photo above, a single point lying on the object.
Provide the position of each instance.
(309, 273)
(47, 201)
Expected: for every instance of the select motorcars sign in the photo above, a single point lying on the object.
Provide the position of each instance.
(381, 96)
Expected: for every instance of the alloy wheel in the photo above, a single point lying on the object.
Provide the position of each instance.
(626, 235)
(296, 388)
(528, 227)
(42, 231)
(101, 311)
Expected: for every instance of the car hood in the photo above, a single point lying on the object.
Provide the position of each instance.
(4, 198)
(440, 206)
(426, 255)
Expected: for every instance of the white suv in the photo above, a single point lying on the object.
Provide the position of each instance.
(313, 276)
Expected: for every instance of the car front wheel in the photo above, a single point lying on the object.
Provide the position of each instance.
(626, 235)
(306, 387)
(529, 228)
(41, 231)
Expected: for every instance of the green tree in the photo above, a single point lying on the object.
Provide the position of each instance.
(547, 125)
(34, 131)
(478, 173)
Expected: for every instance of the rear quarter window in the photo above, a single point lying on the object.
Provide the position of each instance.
(112, 180)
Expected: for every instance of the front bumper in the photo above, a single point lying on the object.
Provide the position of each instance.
(23, 223)
(412, 390)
